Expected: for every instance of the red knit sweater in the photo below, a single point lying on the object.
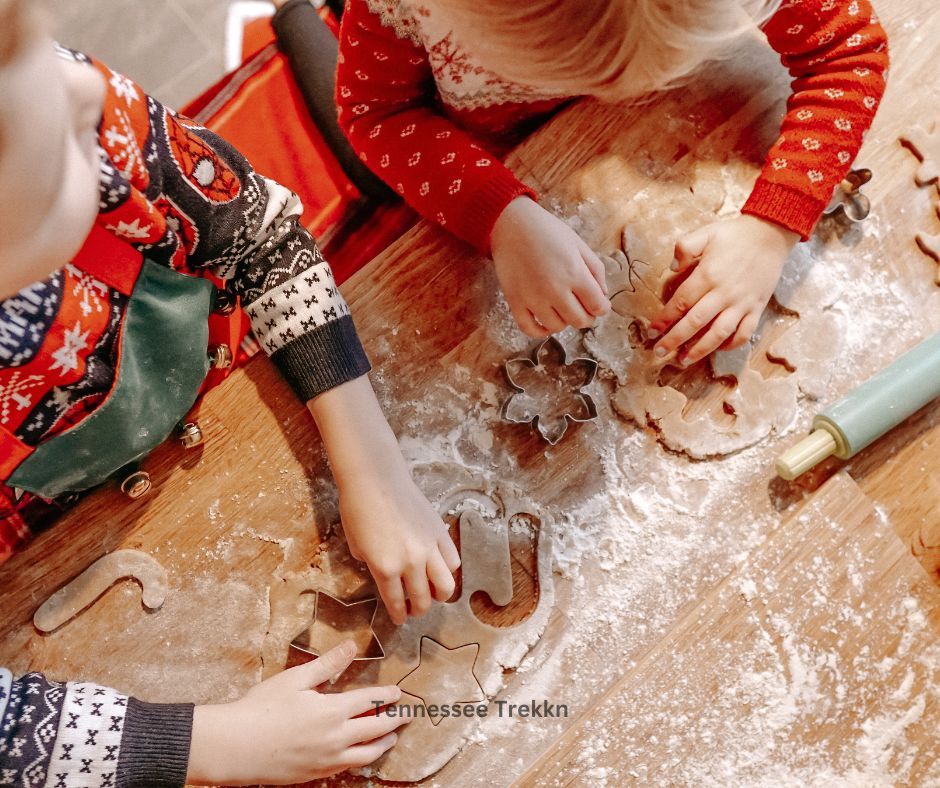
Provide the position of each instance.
(430, 121)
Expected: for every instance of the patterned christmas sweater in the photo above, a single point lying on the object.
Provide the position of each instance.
(186, 199)
(431, 121)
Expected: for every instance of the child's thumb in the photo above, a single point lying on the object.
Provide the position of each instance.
(689, 249)
(325, 668)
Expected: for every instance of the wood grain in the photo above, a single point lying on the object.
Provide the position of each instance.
(256, 501)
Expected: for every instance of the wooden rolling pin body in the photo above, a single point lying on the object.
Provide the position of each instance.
(870, 410)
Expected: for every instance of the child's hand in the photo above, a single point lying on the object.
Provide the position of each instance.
(391, 526)
(737, 265)
(550, 277)
(284, 731)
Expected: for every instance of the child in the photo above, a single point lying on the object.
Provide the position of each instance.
(431, 92)
(111, 210)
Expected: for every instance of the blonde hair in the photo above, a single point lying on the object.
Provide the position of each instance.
(612, 49)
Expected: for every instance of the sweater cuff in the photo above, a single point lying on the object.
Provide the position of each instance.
(475, 222)
(323, 358)
(155, 745)
(794, 210)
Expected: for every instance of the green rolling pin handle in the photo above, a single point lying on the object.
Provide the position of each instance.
(868, 411)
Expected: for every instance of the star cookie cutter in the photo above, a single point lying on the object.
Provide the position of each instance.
(335, 621)
(548, 390)
(847, 198)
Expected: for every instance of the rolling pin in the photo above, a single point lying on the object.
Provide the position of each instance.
(868, 411)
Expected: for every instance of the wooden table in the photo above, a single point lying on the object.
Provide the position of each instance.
(713, 625)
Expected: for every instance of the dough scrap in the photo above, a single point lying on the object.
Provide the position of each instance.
(930, 246)
(809, 289)
(925, 145)
(84, 590)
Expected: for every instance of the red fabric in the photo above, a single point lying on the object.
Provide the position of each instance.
(13, 529)
(838, 54)
(433, 153)
(12, 452)
(259, 109)
(109, 260)
(61, 360)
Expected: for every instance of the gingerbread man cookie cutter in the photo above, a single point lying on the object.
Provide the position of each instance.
(847, 198)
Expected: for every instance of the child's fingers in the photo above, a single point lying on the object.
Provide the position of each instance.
(550, 319)
(721, 328)
(362, 700)
(699, 316)
(364, 754)
(595, 266)
(394, 598)
(449, 551)
(366, 729)
(527, 323)
(318, 671)
(419, 594)
(441, 579)
(745, 329)
(690, 248)
(690, 292)
(595, 302)
(573, 313)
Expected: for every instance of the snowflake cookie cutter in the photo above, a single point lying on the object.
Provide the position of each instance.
(847, 198)
(543, 376)
(335, 621)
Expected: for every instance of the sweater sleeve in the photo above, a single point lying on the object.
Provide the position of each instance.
(837, 53)
(206, 204)
(386, 99)
(80, 734)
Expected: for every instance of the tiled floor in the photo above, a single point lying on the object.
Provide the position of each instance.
(172, 48)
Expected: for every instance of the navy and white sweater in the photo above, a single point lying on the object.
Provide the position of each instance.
(81, 735)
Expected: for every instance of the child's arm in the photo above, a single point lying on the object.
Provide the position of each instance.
(85, 734)
(388, 523)
(838, 55)
(281, 731)
(245, 228)
(387, 107)
(228, 218)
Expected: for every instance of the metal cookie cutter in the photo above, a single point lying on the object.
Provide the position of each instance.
(848, 200)
(335, 621)
(548, 390)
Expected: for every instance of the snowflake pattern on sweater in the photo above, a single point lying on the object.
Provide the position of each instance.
(431, 122)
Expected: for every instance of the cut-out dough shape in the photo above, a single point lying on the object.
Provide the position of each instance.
(636, 275)
(424, 746)
(84, 590)
(925, 145)
(930, 246)
(809, 290)
(656, 215)
(444, 676)
(490, 571)
(548, 390)
(335, 621)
